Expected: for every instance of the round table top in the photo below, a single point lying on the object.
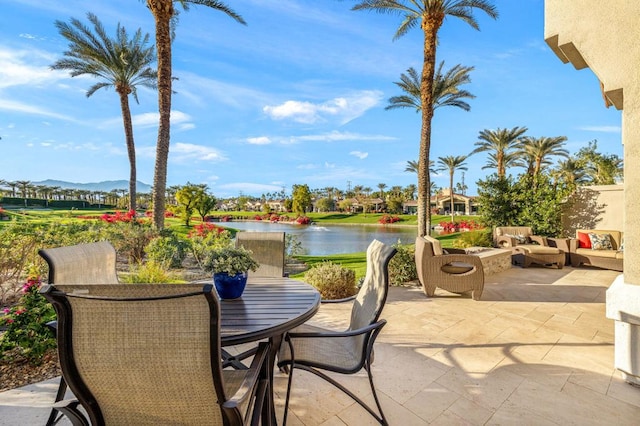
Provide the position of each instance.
(268, 307)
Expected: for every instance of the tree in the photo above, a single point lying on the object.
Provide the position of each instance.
(536, 152)
(600, 169)
(326, 204)
(163, 12)
(501, 144)
(381, 187)
(451, 164)
(120, 62)
(188, 197)
(429, 15)
(204, 204)
(301, 198)
(446, 91)
(570, 171)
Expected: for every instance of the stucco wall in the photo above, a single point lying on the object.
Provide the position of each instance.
(595, 207)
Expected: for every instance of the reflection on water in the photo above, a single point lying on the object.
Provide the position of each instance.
(333, 239)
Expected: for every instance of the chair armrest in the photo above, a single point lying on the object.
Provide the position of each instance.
(561, 243)
(539, 239)
(257, 370)
(504, 241)
(449, 250)
(349, 333)
(445, 259)
(69, 407)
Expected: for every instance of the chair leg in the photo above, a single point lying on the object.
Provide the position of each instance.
(286, 400)
(53, 416)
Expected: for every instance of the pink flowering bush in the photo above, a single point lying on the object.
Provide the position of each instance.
(303, 220)
(119, 217)
(204, 229)
(27, 336)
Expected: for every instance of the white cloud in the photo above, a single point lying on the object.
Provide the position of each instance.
(27, 67)
(260, 140)
(604, 129)
(333, 136)
(187, 126)
(14, 106)
(361, 155)
(342, 109)
(183, 152)
(150, 119)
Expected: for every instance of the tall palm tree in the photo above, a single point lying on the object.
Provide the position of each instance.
(536, 152)
(164, 12)
(451, 164)
(429, 16)
(381, 187)
(122, 63)
(501, 143)
(446, 90)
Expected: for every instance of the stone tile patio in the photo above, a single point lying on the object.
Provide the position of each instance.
(536, 350)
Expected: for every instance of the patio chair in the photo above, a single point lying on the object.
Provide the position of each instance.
(150, 354)
(456, 273)
(91, 263)
(267, 249)
(527, 248)
(314, 349)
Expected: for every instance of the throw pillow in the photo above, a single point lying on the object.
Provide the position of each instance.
(583, 240)
(600, 241)
(520, 239)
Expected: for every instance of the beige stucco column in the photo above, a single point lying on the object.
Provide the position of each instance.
(603, 36)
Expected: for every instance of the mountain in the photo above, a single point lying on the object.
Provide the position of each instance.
(106, 186)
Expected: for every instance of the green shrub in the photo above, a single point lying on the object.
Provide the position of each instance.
(402, 267)
(201, 245)
(332, 280)
(27, 336)
(149, 273)
(168, 251)
(130, 239)
(480, 238)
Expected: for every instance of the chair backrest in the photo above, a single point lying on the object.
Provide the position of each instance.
(267, 249)
(142, 354)
(524, 231)
(92, 263)
(372, 296)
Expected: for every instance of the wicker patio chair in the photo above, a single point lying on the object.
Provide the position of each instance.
(150, 354)
(267, 249)
(313, 348)
(456, 273)
(92, 263)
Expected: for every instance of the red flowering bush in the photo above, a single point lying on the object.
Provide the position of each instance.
(226, 218)
(449, 226)
(274, 218)
(27, 335)
(303, 220)
(257, 217)
(119, 217)
(386, 218)
(205, 229)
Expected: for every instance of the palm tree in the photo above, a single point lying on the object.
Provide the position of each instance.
(536, 152)
(120, 62)
(501, 143)
(412, 166)
(381, 187)
(571, 172)
(445, 89)
(164, 12)
(452, 164)
(429, 15)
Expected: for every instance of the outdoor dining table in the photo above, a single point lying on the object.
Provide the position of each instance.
(267, 309)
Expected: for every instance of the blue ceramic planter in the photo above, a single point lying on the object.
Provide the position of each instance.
(229, 286)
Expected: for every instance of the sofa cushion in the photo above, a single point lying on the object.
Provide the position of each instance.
(616, 236)
(583, 240)
(600, 241)
(520, 239)
(619, 255)
(537, 249)
(598, 253)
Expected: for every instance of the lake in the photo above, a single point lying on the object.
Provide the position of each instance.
(332, 239)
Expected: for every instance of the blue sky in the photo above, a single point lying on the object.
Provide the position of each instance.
(296, 96)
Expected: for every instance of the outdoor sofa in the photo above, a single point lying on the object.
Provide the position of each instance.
(597, 247)
(527, 248)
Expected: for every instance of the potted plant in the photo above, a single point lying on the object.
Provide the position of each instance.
(230, 266)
